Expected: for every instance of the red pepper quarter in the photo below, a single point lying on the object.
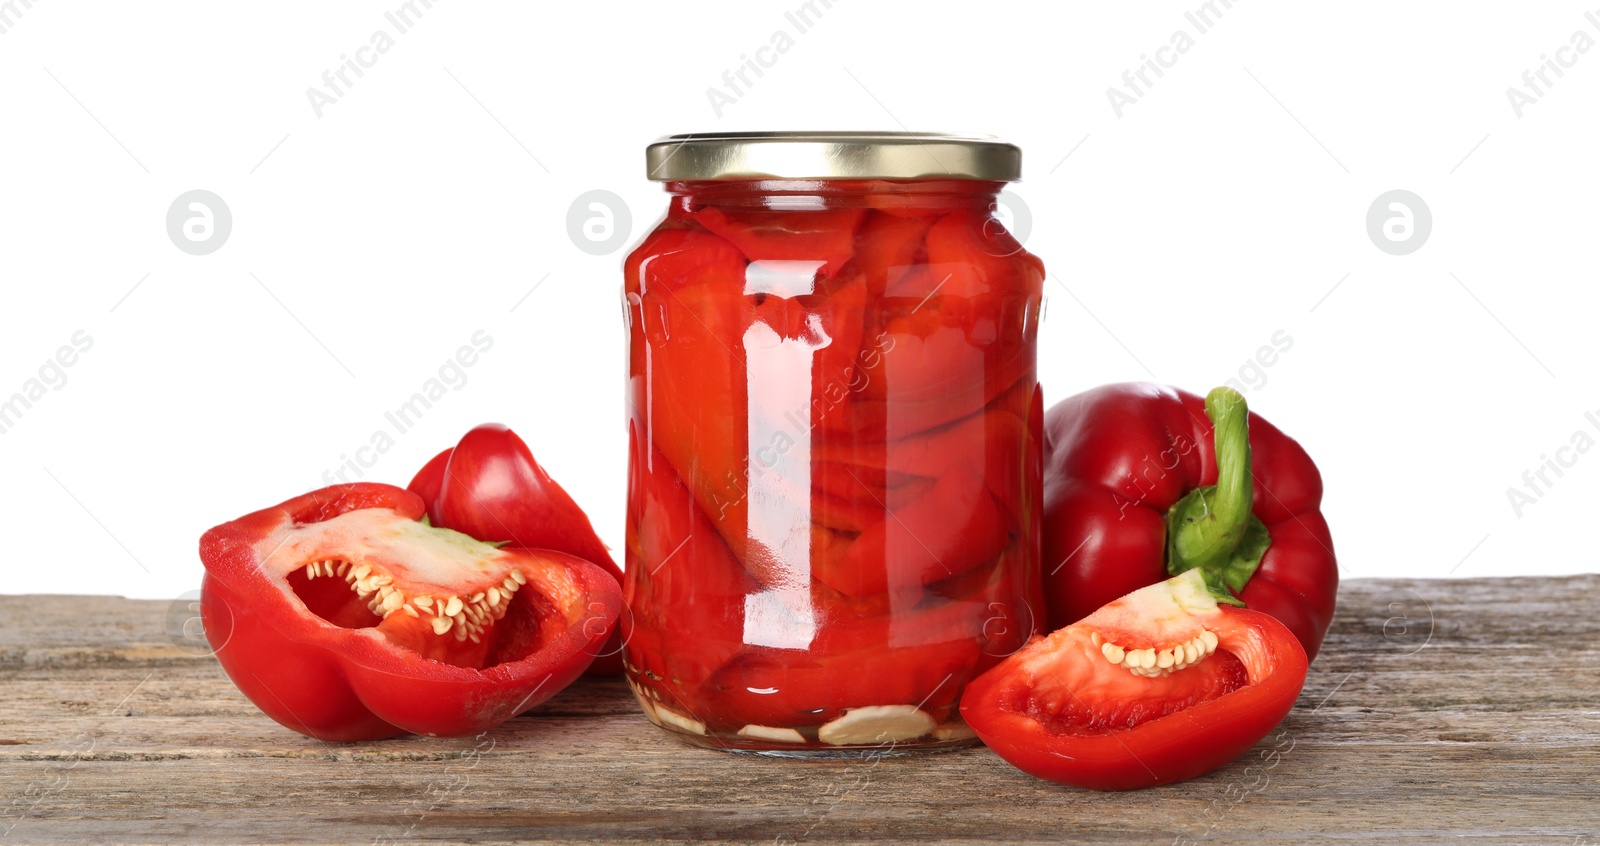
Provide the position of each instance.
(1158, 686)
(343, 616)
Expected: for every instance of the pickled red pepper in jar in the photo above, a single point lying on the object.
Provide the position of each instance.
(834, 431)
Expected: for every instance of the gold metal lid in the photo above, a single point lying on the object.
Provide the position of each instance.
(832, 155)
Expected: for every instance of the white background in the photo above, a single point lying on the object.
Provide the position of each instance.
(1226, 204)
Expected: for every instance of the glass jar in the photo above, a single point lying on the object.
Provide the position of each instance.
(834, 440)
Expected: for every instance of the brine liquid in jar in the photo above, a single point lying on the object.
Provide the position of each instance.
(834, 440)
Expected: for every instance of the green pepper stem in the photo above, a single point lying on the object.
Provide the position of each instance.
(1206, 526)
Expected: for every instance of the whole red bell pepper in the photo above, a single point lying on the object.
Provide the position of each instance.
(1143, 482)
(344, 616)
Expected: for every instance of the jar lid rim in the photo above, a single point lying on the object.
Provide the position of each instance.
(831, 155)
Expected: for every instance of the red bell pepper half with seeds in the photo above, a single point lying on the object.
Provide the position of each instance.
(344, 616)
(1159, 686)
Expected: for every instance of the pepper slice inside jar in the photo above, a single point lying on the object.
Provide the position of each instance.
(905, 458)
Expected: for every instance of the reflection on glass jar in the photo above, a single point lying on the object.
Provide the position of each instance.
(834, 435)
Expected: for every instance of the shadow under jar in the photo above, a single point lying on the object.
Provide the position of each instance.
(834, 431)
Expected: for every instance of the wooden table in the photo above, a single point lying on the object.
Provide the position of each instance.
(1467, 710)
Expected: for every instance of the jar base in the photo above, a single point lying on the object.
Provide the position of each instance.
(945, 738)
(835, 753)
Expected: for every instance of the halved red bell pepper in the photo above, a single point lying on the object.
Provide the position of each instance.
(343, 616)
(489, 486)
(1159, 686)
(1141, 484)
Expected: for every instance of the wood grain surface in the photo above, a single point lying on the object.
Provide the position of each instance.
(1461, 711)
